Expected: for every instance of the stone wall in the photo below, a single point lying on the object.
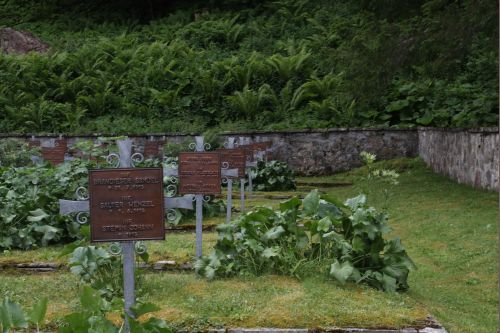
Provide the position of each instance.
(467, 156)
(323, 152)
(307, 152)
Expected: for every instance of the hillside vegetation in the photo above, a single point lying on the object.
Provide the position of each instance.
(152, 66)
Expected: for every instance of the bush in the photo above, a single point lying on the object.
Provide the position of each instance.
(29, 207)
(16, 153)
(315, 236)
(272, 176)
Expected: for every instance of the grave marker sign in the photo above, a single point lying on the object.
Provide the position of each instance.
(236, 159)
(200, 173)
(126, 204)
(55, 151)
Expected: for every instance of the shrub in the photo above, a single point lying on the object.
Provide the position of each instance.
(272, 176)
(29, 204)
(14, 152)
(318, 235)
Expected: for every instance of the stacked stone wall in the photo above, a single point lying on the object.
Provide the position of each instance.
(465, 155)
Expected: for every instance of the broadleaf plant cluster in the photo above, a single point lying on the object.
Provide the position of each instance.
(316, 235)
(272, 176)
(29, 206)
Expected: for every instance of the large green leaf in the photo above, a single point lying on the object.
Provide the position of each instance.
(91, 300)
(290, 204)
(37, 313)
(311, 203)
(274, 233)
(76, 322)
(341, 272)
(49, 233)
(271, 252)
(142, 308)
(37, 215)
(324, 224)
(11, 315)
(356, 202)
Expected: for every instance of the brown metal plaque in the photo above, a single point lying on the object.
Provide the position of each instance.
(34, 143)
(199, 173)
(261, 146)
(249, 152)
(151, 149)
(55, 155)
(126, 204)
(236, 158)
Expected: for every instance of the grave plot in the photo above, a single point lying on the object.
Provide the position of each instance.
(429, 220)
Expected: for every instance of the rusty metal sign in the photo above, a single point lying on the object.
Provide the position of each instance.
(199, 173)
(261, 146)
(126, 204)
(253, 148)
(55, 155)
(236, 158)
(152, 148)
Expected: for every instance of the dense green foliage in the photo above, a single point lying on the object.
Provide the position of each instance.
(29, 204)
(308, 237)
(15, 152)
(272, 176)
(137, 66)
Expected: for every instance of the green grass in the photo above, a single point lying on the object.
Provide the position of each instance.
(273, 301)
(449, 230)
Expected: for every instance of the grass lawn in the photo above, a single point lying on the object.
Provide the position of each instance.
(450, 231)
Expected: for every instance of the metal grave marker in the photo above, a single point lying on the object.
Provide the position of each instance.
(54, 150)
(244, 142)
(235, 158)
(125, 159)
(126, 204)
(200, 173)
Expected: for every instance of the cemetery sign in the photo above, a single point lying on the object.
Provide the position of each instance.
(236, 159)
(126, 204)
(200, 173)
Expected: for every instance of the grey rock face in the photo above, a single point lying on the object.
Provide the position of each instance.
(20, 42)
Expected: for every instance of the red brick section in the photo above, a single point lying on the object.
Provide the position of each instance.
(55, 155)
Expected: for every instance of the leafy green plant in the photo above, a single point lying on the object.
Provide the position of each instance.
(14, 152)
(95, 266)
(388, 178)
(12, 315)
(315, 236)
(272, 176)
(92, 317)
(29, 204)
(259, 64)
(288, 66)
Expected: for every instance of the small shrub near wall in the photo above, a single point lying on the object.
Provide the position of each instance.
(273, 176)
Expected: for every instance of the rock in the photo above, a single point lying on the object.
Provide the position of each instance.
(20, 42)
(164, 264)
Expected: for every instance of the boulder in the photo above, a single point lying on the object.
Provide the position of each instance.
(20, 42)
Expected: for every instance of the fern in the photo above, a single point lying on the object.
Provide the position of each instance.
(288, 66)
